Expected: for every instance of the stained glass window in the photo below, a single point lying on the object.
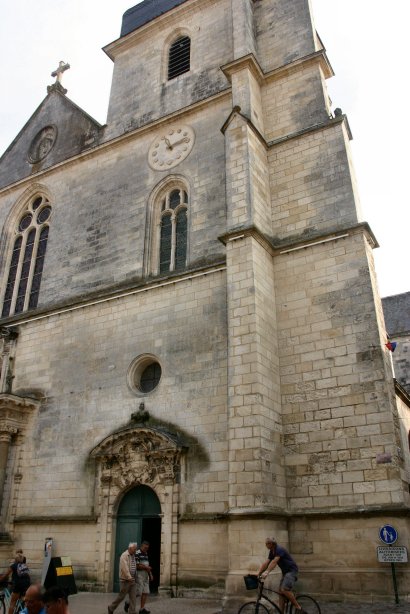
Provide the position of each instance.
(173, 231)
(150, 377)
(27, 259)
(166, 243)
(181, 240)
(12, 277)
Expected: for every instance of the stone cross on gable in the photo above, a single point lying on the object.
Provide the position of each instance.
(58, 73)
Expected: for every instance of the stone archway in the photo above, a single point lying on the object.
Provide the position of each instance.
(138, 455)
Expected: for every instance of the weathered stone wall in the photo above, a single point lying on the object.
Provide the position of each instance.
(78, 361)
(311, 189)
(294, 99)
(335, 401)
(99, 205)
(321, 543)
(284, 32)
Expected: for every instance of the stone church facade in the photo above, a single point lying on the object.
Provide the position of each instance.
(192, 340)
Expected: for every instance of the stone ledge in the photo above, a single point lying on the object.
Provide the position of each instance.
(54, 519)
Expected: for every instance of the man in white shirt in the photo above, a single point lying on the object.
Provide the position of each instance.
(127, 572)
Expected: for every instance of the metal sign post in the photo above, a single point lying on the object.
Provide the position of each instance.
(391, 554)
(393, 573)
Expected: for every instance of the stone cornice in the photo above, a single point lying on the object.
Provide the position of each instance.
(317, 57)
(395, 511)
(278, 249)
(316, 238)
(17, 403)
(14, 411)
(329, 123)
(55, 519)
(250, 62)
(243, 233)
(247, 61)
(232, 516)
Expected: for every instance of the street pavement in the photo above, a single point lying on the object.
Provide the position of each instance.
(96, 603)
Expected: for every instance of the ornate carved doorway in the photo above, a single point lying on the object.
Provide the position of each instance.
(146, 463)
(139, 518)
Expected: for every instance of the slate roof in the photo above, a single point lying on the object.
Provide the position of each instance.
(397, 313)
(144, 12)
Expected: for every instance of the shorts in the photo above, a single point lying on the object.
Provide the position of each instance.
(20, 586)
(288, 580)
(142, 580)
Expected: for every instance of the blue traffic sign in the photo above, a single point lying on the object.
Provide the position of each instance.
(388, 534)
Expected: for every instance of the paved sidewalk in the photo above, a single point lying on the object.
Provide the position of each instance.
(96, 603)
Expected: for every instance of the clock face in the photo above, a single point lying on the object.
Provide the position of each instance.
(171, 147)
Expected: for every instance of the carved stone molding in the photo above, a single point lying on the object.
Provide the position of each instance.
(14, 411)
(138, 455)
(7, 431)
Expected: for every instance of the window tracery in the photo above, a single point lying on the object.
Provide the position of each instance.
(173, 231)
(27, 258)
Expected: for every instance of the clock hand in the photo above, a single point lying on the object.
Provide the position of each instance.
(184, 140)
(167, 143)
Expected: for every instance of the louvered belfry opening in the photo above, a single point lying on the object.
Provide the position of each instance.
(179, 57)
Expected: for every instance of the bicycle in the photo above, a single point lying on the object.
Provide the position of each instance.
(5, 596)
(307, 602)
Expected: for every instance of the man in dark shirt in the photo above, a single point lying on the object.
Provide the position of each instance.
(144, 575)
(279, 556)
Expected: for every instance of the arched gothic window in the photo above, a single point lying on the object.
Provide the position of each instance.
(27, 258)
(179, 57)
(173, 230)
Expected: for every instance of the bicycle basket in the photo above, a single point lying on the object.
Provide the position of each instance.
(251, 582)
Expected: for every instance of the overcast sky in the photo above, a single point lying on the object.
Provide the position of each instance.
(367, 45)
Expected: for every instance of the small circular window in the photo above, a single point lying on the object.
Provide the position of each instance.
(144, 374)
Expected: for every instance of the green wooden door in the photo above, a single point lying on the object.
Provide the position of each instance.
(139, 519)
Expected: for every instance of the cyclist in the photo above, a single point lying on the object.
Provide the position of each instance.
(279, 556)
(20, 579)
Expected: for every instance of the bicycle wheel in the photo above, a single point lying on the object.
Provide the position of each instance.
(308, 604)
(256, 607)
(2, 606)
(253, 607)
